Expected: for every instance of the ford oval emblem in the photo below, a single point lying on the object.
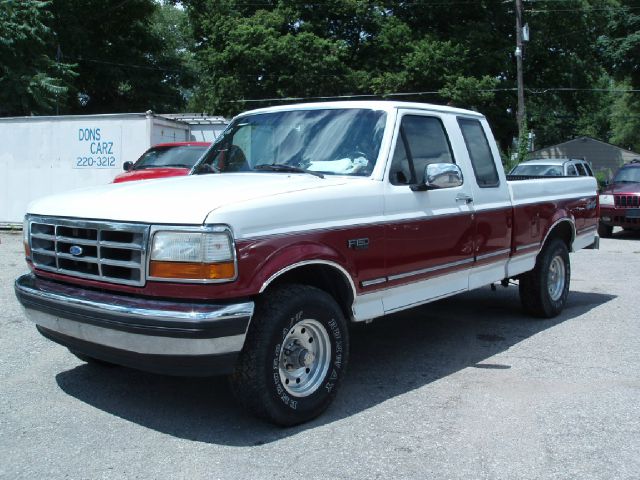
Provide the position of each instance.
(75, 250)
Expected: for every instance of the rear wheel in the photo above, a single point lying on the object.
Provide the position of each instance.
(294, 356)
(544, 290)
(605, 231)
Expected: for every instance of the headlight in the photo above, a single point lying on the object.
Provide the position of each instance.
(606, 200)
(196, 255)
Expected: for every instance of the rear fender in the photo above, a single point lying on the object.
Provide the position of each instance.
(563, 226)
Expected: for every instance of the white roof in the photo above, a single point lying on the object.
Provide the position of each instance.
(386, 105)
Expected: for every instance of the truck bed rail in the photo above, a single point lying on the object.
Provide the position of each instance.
(535, 177)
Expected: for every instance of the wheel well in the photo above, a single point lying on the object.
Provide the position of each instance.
(563, 231)
(324, 277)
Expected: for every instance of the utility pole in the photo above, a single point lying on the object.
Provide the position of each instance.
(520, 114)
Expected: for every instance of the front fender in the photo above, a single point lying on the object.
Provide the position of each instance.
(281, 259)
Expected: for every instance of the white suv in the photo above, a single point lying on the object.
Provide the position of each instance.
(553, 167)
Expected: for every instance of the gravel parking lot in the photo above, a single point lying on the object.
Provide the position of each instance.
(464, 388)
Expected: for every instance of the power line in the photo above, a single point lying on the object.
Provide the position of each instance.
(570, 89)
(128, 65)
(581, 9)
(535, 91)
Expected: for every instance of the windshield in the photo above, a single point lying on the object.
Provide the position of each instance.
(170, 156)
(538, 170)
(628, 175)
(325, 141)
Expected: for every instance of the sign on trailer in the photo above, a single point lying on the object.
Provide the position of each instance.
(44, 155)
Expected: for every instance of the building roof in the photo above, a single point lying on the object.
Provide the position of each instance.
(602, 156)
(583, 138)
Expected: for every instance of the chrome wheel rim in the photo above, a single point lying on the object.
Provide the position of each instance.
(556, 278)
(304, 359)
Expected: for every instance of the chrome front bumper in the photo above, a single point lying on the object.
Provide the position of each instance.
(134, 331)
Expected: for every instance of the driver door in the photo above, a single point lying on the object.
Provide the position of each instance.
(429, 233)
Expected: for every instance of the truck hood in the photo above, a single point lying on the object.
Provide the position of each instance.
(625, 188)
(177, 200)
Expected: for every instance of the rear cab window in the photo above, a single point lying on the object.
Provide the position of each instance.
(482, 161)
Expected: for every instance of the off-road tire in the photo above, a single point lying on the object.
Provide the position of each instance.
(257, 381)
(534, 286)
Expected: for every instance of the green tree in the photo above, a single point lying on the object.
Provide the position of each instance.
(619, 45)
(292, 49)
(125, 61)
(562, 66)
(625, 120)
(620, 41)
(459, 53)
(268, 54)
(32, 81)
(171, 24)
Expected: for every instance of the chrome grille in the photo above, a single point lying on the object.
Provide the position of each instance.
(105, 251)
(625, 201)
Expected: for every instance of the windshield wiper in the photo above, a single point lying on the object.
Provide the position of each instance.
(287, 168)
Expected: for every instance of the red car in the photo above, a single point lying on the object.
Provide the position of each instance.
(620, 200)
(164, 160)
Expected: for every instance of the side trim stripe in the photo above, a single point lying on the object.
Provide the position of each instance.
(584, 231)
(400, 276)
(525, 247)
(430, 269)
(375, 281)
(494, 254)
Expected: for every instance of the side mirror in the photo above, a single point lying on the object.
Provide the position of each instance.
(127, 166)
(440, 175)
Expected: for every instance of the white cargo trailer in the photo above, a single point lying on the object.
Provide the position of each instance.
(45, 155)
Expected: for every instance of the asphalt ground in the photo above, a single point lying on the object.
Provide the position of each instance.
(465, 388)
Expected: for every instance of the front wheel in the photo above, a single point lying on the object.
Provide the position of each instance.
(544, 290)
(294, 356)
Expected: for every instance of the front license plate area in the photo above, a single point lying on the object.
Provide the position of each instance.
(633, 213)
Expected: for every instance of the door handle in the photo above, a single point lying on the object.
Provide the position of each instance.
(463, 197)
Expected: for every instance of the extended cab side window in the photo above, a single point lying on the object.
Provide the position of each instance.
(581, 170)
(484, 166)
(588, 169)
(421, 141)
(571, 171)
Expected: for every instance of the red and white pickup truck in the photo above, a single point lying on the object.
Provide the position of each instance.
(302, 220)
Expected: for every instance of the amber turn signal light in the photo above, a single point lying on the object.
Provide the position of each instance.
(192, 271)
